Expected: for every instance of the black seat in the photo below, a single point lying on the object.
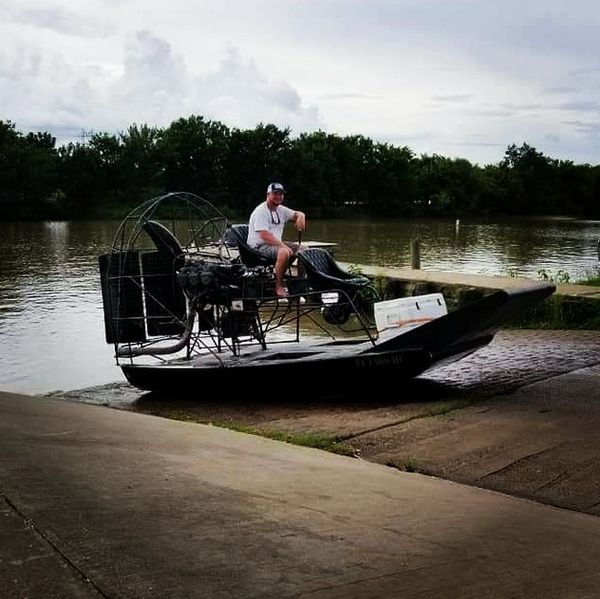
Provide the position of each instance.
(164, 298)
(166, 243)
(324, 273)
(238, 235)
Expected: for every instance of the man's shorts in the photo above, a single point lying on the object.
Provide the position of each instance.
(271, 251)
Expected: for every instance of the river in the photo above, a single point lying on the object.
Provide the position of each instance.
(51, 320)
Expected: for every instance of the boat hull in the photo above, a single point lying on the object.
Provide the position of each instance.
(331, 368)
(324, 376)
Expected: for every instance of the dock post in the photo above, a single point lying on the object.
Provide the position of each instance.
(415, 254)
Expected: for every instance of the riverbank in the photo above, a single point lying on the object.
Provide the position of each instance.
(518, 416)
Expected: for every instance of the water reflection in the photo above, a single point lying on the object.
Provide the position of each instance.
(522, 247)
(51, 321)
(50, 311)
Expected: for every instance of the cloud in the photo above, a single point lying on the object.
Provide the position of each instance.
(584, 105)
(587, 128)
(153, 85)
(57, 19)
(592, 70)
(519, 107)
(433, 72)
(486, 112)
(552, 138)
(490, 113)
(41, 91)
(476, 144)
(559, 89)
(237, 92)
(348, 96)
(454, 99)
(24, 63)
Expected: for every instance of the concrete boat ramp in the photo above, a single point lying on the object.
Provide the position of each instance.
(97, 502)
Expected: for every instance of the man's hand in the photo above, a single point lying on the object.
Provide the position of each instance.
(300, 221)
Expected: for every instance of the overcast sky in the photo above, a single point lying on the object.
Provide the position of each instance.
(461, 78)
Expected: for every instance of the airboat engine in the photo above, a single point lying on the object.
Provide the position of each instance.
(210, 283)
(150, 287)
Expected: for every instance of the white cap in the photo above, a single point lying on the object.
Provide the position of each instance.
(274, 187)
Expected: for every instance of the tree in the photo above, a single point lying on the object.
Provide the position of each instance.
(194, 152)
(256, 157)
(28, 173)
(530, 178)
(141, 165)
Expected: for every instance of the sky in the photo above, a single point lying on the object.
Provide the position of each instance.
(459, 78)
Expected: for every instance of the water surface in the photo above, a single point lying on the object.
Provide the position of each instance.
(51, 320)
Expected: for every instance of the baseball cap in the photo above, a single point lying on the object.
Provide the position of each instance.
(274, 187)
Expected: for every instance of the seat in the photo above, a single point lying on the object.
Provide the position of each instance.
(166, 243)
(238, 235)
(164, 298)
(356, 294)
(324, 273)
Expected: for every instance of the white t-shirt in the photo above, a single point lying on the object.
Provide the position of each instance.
(263, 219)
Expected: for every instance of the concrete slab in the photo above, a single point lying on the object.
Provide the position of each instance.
(538, 442)
(462, 279)
(447, 278)
(146, 507)
(30, 566)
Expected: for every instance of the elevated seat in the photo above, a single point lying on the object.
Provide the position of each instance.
(166, 243)
(324, 273)
(164, 298)
(238, 235)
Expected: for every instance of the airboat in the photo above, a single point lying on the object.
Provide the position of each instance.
(188, 305)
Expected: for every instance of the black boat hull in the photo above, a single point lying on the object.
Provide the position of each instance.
(324, 376)
(331, 368)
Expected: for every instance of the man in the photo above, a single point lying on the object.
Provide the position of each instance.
(265, 230)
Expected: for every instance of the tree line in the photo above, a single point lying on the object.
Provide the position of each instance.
(326, 175)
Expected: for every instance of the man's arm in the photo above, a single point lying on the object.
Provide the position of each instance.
(269, 238)
(299, 219)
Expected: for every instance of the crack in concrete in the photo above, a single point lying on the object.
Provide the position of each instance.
(563, 475)
(426, 414)
(36, 529)
(378, 428)
(519, 460)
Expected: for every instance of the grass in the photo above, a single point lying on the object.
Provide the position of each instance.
(560, 277)
(563, 312)
(410, 465)
(593, 280)
(407, 465)
(445, 407)
(329, 443)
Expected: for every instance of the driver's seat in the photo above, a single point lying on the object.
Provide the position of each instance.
(238, 236)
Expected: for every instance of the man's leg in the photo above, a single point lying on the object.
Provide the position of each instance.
(296, 247)
(283, 258)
